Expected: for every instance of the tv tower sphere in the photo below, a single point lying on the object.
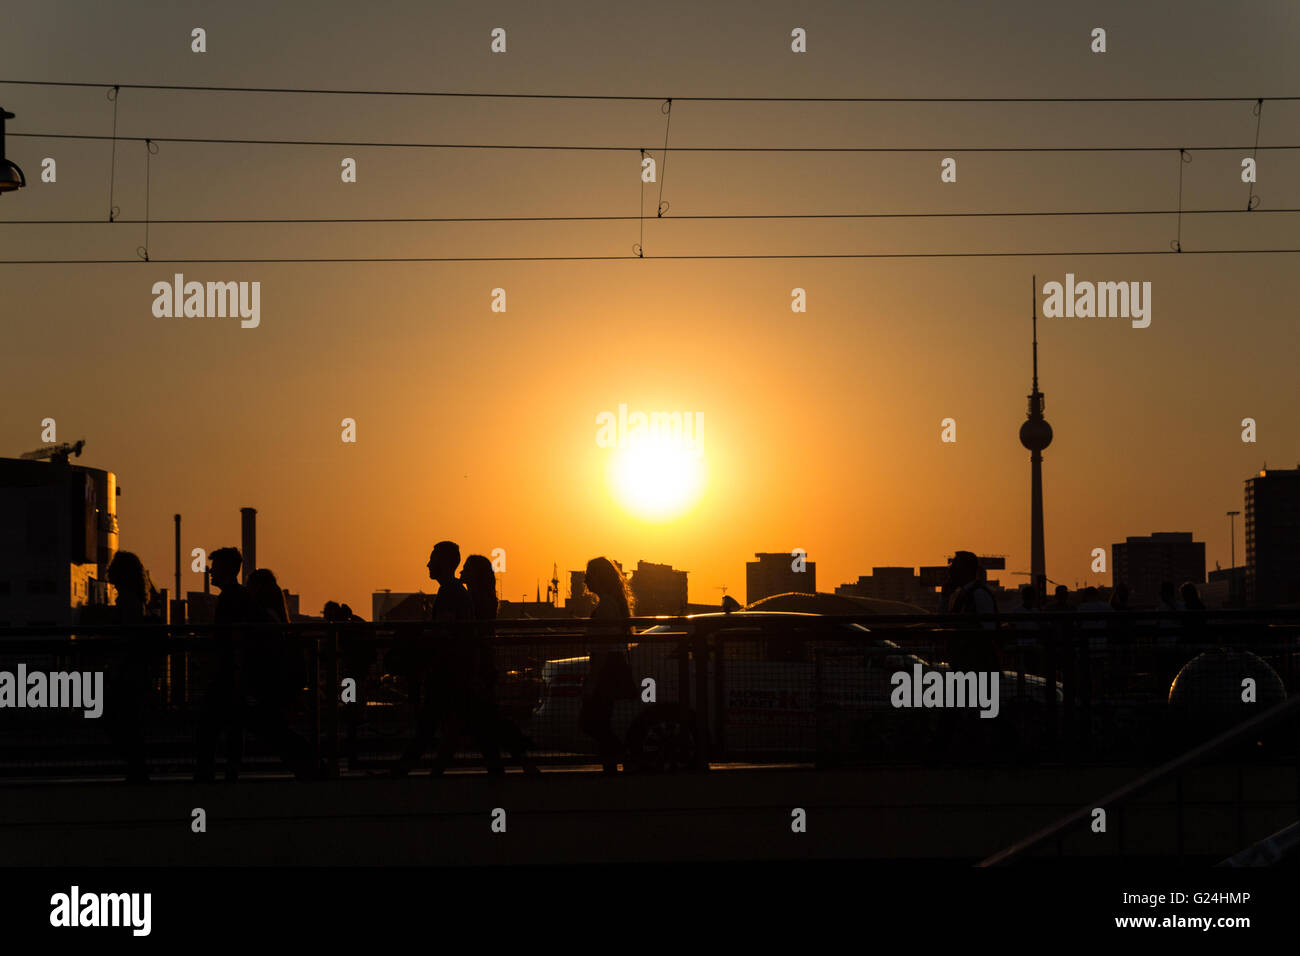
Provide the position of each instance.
(1035, 434)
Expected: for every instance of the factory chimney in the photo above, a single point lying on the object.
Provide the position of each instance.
(177, 520)
(178, 602)
(248, 542)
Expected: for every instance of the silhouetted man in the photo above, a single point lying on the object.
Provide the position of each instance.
(449, 688)
(973, 651)
(235, 606)
(970, 595)
(1061, 601)
(1026, 644)
(244, 689)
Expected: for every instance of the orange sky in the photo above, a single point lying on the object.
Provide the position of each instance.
(822, 430)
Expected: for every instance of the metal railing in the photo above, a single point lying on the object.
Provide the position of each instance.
(1284, 714)
(1073, 688)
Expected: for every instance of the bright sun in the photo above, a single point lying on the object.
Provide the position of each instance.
(657, 479)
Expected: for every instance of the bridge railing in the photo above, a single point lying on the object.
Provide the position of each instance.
(681, 692)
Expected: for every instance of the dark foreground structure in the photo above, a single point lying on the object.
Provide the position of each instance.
(749, 736)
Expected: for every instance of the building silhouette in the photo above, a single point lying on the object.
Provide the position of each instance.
(580, 601)
(1273, 537)
(399, 605)
(1143, 563)
(60, 524)
(773, 573)
(658, 589)
(921, 587)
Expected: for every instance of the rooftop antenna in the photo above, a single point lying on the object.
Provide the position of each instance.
(1033, 297)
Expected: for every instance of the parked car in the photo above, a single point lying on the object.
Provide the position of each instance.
(789, 684)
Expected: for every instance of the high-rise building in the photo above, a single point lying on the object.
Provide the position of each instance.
(1273, 537)
(658, 589)
(1143, 563)
(61, 535)
(774, 573)
(580, 601)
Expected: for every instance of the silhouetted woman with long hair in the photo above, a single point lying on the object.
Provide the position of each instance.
(485, 714)
(609, 677)
(130, 683)
(276, 673)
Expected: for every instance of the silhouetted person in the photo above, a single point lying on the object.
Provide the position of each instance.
(451, 678)
(1090, 602)
(275, 673)
(1191, 597)
(223, 698)
(265, 591)
(129, 685)
(1122, 626)
(272, 655)
(968, 594)
(975, 650)
(480, 580)
(1026, 642)
(1061, 599)
(247, 686)
(356, 654)
(1028, 603)
(1119, 597)
(1168, 607)
(609, 678)
(1194, 624)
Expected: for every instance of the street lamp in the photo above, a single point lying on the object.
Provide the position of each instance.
(1232, 571)
(11, 177)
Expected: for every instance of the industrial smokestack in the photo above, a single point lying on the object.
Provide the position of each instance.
(177, 589)
(248, 543)
(177, 606)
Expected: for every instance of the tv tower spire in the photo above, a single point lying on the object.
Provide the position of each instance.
(1036, 434)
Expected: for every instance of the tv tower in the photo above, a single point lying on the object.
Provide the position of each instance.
(1036, 434)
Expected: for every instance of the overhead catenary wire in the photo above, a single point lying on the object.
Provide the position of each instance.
(641, 98)
(721, 217)
(666, 106)
(664, 258)
(573, 147)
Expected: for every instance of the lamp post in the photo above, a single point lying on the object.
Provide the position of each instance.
(1232, 571)
(11, 176)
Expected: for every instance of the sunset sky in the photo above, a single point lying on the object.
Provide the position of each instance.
(820, 430)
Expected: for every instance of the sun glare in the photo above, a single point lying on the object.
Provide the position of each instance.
(657, 479)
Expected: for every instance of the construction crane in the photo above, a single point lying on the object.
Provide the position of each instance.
(57, 454)
(1029, 573)
(553, 588)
